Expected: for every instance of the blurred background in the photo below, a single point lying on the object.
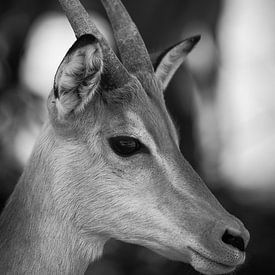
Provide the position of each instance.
(223, 100)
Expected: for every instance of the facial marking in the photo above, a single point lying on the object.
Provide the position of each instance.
(136, 126)
(167, 167)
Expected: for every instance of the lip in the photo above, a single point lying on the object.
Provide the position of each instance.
(213, 265)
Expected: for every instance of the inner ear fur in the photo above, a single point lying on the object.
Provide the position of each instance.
(78, 76)
(167, 62)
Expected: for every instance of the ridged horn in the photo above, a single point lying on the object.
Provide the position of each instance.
(130, 44)
(115, 73)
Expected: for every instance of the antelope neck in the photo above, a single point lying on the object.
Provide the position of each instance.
(34, 239)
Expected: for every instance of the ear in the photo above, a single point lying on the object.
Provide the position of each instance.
(78, 76)
(167, 62)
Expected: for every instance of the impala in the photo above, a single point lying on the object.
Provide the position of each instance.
(107, 165)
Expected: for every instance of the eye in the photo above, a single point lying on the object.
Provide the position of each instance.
(125, 146)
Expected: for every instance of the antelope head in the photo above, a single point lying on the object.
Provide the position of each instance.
(119, 169)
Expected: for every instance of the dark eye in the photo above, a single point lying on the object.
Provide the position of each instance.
(125, 146)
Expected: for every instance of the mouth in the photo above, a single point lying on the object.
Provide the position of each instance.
(205, 265)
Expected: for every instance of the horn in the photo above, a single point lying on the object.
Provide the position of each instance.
(130, 44)
(115, 73)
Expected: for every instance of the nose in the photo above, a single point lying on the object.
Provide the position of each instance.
(237, 240)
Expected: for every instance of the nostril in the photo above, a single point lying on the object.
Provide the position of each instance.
(235, 241)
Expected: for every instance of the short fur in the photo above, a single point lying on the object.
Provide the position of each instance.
(76, 192)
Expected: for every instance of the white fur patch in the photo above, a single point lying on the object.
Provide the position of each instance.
(137, 127)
